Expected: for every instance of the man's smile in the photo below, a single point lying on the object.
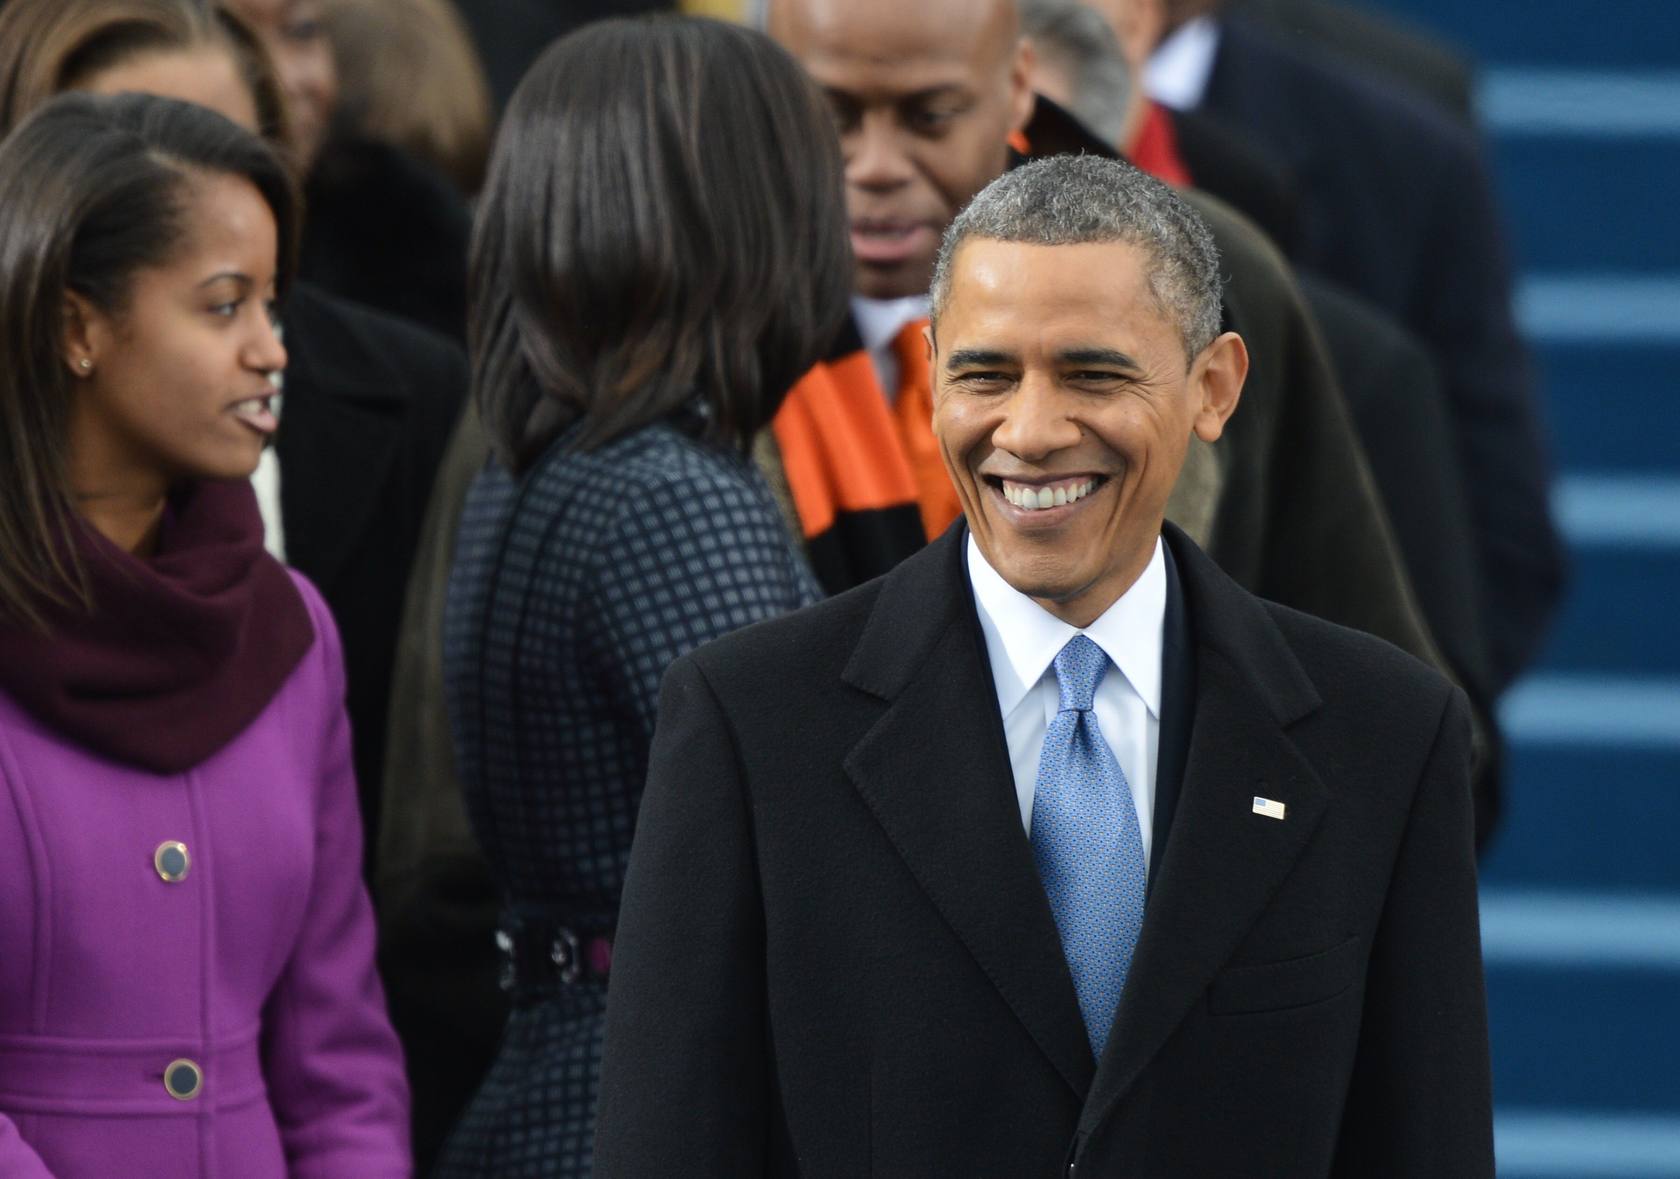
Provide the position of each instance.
(1043, 501)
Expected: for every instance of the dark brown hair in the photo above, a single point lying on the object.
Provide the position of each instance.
(664, 225)
(50, 46)
(91, 192)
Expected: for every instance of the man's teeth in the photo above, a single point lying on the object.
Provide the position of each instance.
(1035, 499)
(251, 405)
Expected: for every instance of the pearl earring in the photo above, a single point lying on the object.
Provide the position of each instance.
(86, 364)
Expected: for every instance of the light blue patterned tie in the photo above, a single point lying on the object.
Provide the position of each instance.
(1086, 840)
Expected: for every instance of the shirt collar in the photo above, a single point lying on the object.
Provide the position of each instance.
(1178, 71)
(880, 320)
(1023, 638)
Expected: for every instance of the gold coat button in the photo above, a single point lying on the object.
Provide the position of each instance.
(184, 1080)
(172, 861)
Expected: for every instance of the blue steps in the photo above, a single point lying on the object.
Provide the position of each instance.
(1612, 406)
(1573, 34)
(1578, 1059)
(1581, 888)
(1577, 817)
(1615, 613)
(1580, 196)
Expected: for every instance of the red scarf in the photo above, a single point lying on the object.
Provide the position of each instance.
(1155, 149)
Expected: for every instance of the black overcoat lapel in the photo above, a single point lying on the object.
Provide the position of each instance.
(1221, 862)
(935, 772)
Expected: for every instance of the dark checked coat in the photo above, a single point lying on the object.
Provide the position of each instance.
(573, 589)
(835, 956)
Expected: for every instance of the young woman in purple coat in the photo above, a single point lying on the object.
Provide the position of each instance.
(186, 952)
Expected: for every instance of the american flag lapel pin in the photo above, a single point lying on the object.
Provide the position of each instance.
(1270, 808)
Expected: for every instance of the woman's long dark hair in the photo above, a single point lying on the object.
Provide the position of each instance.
(664, 222)
(91, 191)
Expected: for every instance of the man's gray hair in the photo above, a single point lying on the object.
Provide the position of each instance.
(1078, 200)
(1077, 42)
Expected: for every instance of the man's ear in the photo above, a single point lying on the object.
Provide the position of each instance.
(1216, 381)
(82, 335)
(1022, 100)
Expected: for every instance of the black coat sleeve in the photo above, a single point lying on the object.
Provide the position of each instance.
(685, 1082)
(1420, 1099)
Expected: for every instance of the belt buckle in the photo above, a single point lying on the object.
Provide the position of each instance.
(566, 955)
(507, 977)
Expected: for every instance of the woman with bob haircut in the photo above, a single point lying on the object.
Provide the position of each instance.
(187, 983)
(660, 252)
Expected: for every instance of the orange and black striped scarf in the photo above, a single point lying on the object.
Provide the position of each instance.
(851, 460)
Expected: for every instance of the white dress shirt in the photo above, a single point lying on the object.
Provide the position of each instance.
(1022, 641)
(1177, 73)
(879, 321)
(266, 480)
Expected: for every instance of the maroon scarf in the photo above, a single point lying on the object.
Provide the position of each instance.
(182, 650)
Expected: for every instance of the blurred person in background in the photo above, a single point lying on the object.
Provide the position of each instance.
(368, 398)
(385, 228)
(1396, 204)
(623, 364)
(409, 76)
(1386, 375)
(198, 994)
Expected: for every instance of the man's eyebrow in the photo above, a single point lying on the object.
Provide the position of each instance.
(237, 276)
(932, 93)
(978, 358)
(1106, 357)
(915, 97)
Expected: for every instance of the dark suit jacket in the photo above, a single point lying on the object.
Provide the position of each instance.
(1402, 417)
(388, 231)
(1222, 162)
(369, 404)
(1371, 40)
(1400, 410)
(835, 956)
(1396, 206)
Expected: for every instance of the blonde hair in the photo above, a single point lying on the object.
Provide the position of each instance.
(409, 75)
(49, 46)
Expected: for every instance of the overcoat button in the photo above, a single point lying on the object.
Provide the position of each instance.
(184, 1080)
(172, 861)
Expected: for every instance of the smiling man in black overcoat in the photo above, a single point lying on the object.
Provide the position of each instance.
(1054, 852)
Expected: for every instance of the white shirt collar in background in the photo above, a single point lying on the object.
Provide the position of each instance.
(879, 321)
(266, 480)
(1178, 71)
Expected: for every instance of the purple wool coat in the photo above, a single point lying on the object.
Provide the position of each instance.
(213, 1012)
